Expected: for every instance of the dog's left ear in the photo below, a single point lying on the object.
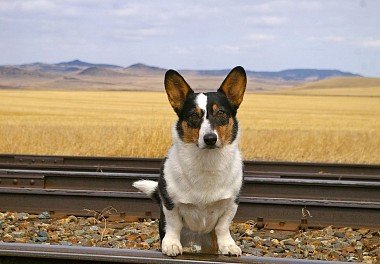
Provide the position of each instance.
(234, 86)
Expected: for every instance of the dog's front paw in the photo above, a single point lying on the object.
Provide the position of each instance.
(171, 247)
(229, 248)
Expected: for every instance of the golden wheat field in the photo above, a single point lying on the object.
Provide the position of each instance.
(138, 124)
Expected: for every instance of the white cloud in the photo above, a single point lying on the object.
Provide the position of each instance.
(34, 9)
(336, 39)
(258, 37)
(331, 39)
(248, 42)
(126, 11)
(231, 49)
(370, 43)
(182, 50)
(136, 34)
(285, 6)
(271, 21)
(39, 5)
(27, 6)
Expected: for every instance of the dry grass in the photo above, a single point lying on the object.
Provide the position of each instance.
(311, 128)
(275, 127)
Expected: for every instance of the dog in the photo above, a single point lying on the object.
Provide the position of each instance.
(202, 175)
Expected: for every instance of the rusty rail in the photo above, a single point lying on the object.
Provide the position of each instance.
(41, 254)
(151, 165)
(272, 199)
(260, 185)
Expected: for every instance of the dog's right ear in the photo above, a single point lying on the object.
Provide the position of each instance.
(177, 89)
(234, 86)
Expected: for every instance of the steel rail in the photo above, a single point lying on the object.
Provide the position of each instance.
(151, 165)
(40, 253)
(321, 212)
(364, 190)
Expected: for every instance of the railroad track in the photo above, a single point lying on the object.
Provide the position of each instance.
(150, 165)
(281, 195)
(277, 195)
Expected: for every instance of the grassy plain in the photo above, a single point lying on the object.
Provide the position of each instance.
(119, 123)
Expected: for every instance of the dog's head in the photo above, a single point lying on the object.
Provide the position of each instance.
(207, 119)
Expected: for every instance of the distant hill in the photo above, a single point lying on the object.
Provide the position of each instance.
(81, 64)
(223, 72)
(11, 71)
(100, 71)
(302, 74)
(77, 74)
(287, 75)
(15, 72)
(141, 68)
(354, 86)
(341, 82)
(65, 67)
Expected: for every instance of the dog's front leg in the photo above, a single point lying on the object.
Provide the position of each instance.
(226, 244)
(171, 244)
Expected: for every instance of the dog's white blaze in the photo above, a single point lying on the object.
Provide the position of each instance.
(206, 126)
(202, 102)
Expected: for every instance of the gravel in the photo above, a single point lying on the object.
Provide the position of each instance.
(329, 243)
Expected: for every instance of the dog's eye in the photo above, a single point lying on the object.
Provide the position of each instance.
(194, 115)
(220, 112)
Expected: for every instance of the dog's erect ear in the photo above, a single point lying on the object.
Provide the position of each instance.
(177, 89)
(234, 86)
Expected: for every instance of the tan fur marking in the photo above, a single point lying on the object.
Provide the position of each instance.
(225, 132)
(198, 111)
(190, 135)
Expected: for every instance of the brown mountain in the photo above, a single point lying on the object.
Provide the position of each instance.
(15, 72)
(140, 68)
(79, 75)
(101, 72)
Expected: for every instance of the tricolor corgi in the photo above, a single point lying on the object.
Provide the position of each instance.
(202, 175)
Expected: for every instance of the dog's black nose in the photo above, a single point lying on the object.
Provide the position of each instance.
(210, 139)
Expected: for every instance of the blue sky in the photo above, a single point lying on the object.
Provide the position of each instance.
(259, 35)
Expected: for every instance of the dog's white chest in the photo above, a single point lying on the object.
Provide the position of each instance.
(202, 218)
